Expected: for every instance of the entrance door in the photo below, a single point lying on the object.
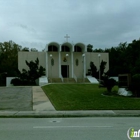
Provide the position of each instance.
(65, 71)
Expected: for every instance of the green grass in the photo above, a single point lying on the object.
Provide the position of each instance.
(87, 97)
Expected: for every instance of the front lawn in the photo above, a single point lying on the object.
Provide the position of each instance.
(87, 97)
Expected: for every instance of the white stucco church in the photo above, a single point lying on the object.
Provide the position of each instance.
(65, 60)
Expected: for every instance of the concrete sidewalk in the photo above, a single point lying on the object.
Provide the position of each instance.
(40, 100)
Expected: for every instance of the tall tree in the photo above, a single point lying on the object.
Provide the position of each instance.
(9, 57)
(89, 48)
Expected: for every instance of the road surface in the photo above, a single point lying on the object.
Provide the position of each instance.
(95, 128)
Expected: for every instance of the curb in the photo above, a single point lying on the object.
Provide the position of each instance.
(65, 114)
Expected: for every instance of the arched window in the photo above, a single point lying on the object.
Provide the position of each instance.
(52, 48)
(65, 48)
(77, 49)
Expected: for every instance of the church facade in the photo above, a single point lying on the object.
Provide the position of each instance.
(64, 60)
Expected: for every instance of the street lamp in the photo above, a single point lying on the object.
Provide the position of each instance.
(99, 55)
(67, 66)
(51, 66)
(83, 55)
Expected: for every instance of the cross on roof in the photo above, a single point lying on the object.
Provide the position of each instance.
(67, 37)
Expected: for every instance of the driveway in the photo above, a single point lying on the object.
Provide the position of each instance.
(16, 98)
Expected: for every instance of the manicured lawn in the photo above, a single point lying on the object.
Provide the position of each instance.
(87, 97)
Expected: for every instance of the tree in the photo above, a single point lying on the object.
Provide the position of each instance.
(89, 48)
(135, 85)
(102, 67)
(28, 77)
(109, 84)
(34, 50)
(25, 49)
(94, 71)
(93, 68)
(98, 50)
(9, 57)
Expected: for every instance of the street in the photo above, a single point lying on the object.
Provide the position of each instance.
(95, 128)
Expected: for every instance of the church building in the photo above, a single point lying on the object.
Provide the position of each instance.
(64, 60)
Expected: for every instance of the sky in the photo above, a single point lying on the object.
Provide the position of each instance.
(101, 23)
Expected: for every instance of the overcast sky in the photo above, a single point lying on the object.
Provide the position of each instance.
(102, 23)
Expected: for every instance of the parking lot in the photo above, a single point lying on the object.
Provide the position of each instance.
(16, 98)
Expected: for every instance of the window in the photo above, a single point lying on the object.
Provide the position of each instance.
(76, 62)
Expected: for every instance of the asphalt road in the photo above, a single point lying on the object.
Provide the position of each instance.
(101, 128)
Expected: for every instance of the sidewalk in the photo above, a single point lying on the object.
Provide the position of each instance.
(40, 100)
(42, 107)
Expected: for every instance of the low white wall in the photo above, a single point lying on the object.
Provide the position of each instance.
(42, 81)
(8, 81)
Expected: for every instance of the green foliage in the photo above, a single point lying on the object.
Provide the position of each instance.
(94, 71)
(28, 77)
(8, 60)
(89, 48)
(9, 57)
(102, 67)
(125, 58)
(109, 84)
(135, 85)
(25, 49)
(3, 79)
(16, 82)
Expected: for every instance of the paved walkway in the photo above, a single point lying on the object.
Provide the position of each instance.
(40, 100)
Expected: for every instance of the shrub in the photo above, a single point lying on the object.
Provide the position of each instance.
(135, 85)
(108, 83)
(28, 77)
(16, 82)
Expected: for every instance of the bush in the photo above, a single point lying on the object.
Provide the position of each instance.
(29, 77)
(16, 82)
(135, 85)
(108, 83)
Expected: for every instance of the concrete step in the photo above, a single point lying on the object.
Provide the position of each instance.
(69, 80)
(55, 80)
(81, 80)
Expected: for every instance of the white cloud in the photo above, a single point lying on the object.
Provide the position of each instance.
(100, 23)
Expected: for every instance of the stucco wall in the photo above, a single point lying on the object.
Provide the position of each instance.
(30, 56)
(94, 58)
(78, 69)
(53, 71)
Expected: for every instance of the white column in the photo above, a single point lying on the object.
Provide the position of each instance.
(72, 64)
(59, 60)
(85, 66)
(51, 65)
(99, 55)
(59, 64)
(47, 64)
(83, 55)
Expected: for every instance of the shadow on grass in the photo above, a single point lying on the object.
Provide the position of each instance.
(113, 93)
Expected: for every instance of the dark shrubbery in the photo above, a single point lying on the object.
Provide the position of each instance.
(108, 83)
(28, 77)
(135, 85)
(16, 82)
